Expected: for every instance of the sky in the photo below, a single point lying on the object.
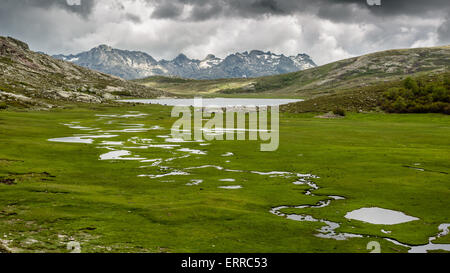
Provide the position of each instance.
(326, 30)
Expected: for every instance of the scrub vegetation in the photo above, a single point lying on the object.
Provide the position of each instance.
(419, 96)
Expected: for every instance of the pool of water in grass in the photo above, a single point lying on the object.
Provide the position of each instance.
(380, 216)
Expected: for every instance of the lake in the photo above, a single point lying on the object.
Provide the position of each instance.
(216, 102)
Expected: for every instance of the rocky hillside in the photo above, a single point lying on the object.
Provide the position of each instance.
(136, 65)
(359, 72)
(30, 78)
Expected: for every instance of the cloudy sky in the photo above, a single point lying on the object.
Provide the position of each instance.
(325, 29)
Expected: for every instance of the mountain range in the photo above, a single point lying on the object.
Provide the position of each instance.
(135, 64)
(355, 84)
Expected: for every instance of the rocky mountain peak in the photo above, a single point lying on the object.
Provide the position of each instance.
(210, 57)
(135, 64)
(257, 52)
(181, 58)
(103, 48)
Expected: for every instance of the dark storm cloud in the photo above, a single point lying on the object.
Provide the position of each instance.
(45, 23)
(133, 18)
(84, 8)
(335, 10)
(444, 31)
(166, 10)
(328, 30)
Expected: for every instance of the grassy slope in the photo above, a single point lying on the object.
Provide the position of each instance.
(106, 207)
(367, 98)
(333, 78)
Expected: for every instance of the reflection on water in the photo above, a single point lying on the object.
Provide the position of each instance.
(216, 102)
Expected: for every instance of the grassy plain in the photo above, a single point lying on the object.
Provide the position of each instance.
(52, 193)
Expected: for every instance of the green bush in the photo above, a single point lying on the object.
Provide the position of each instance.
(411, 84)
(419, 96)
(447, 109)
(123, 94)
(3, 105)
(447, 81)
(339, 112)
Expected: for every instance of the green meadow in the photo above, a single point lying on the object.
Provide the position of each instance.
(52, 193)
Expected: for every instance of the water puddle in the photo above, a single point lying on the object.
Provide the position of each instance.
(175, 158)
(335, 197)
(234, 171)
(72, 140)
(228, 180)
(204, 167)
(180, 140)
(138, 141)
(128, 130)
(137, 115)
(136, 147)
(272, 173)
(77, 126)
(231, 130)
(152, 160)
(154, 176)
(231, 187)
(422, 169)
(112, 143)
(119, 155)
(379, 216)
(195, 182)
(155, 164)
(80, 139)
(192, 151)
(164, 146)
